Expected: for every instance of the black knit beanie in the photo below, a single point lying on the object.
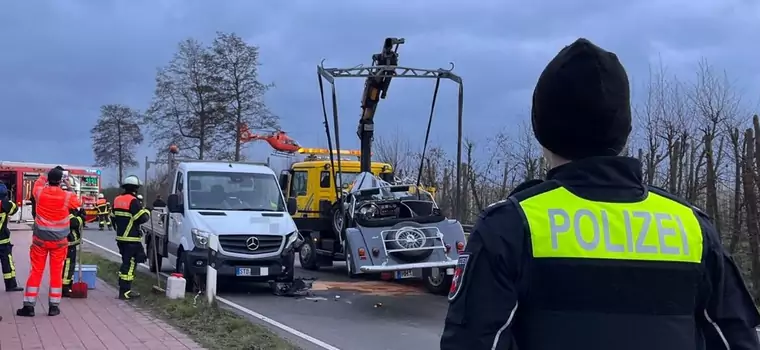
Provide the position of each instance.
(581, 104)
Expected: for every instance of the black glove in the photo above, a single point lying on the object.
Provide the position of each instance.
(525, 185)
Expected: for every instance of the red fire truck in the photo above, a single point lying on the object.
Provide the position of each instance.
(19, 177)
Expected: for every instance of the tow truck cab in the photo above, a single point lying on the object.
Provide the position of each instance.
(243, 205)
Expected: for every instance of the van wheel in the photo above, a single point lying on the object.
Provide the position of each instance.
(307, 255)
(184, 269)
(155, 261)
(436, 280)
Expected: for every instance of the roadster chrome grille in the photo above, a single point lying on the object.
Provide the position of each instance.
(410, 238)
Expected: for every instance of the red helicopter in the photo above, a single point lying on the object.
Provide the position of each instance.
(279, 140)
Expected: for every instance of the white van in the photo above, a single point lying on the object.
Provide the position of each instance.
(242, 204)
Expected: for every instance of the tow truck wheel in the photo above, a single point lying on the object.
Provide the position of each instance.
(436, 281)
(337, 220)
(307, 255)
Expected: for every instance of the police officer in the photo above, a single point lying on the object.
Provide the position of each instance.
(129, 214)
(592, 258)
(76, 222)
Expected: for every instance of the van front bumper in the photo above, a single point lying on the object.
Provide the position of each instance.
(278, 268)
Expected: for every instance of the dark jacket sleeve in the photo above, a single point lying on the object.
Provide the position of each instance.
(33, 203)
(729, 316)
(6, 207)
(139, 214)
(483, 306)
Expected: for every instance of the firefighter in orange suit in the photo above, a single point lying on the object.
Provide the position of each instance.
(104, 211)
(129, 214)
(51, 227)
(6, 248)
(75, 239)
(39, 183)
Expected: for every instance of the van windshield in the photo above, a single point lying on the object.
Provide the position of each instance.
(234, 191)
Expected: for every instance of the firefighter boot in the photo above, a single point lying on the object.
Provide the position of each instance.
(12, 286)
(53, 310)
(128, 295)
(26, 311)
(66, 291)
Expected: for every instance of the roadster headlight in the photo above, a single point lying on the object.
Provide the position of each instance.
(200, 237)
(368, 210)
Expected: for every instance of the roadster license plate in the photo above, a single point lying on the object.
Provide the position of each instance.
(404, 274)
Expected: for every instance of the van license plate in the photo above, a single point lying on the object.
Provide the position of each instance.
(252, 271)
(243, 271)
(404, 274)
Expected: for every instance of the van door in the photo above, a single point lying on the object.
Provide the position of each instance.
(174, 227)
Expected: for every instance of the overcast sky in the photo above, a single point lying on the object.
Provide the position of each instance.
(60, 60)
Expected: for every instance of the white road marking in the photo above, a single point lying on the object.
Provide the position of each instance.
(242, 309)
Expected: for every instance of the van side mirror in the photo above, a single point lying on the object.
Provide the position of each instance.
(173, 204)
(292, 206)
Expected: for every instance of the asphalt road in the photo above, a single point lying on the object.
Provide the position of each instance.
(346, 313)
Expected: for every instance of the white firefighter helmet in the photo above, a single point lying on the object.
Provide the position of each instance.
(140, 197)
(131, 180)
(101, 196)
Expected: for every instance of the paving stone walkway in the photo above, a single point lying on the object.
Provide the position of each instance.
(99, 322)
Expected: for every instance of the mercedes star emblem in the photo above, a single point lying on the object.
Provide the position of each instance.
(252, 243)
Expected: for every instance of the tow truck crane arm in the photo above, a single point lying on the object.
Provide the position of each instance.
(378, 77)
(376, 88)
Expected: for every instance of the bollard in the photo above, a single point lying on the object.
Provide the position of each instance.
(213, 250)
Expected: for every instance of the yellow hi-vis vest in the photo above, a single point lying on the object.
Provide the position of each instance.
(563, 225)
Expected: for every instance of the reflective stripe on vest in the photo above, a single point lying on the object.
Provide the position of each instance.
(77, 238)
(124, 204)
(3, 217)
(563, 225)
(53, 225)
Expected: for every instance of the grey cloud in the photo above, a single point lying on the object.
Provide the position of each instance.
(62, 59)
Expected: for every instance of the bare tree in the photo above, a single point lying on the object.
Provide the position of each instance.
(115, 136)
(396, 151)
(186, 107)
(237, 65)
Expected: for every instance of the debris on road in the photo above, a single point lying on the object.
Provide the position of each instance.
(300, 287)
(315, 299)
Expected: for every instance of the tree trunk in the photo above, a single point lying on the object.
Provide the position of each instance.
(120, 151)
(750, 196)
(673, 171)
(712, 188)
(736, 213)
(237, 139)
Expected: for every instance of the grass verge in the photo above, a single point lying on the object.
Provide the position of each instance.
(211, 326)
